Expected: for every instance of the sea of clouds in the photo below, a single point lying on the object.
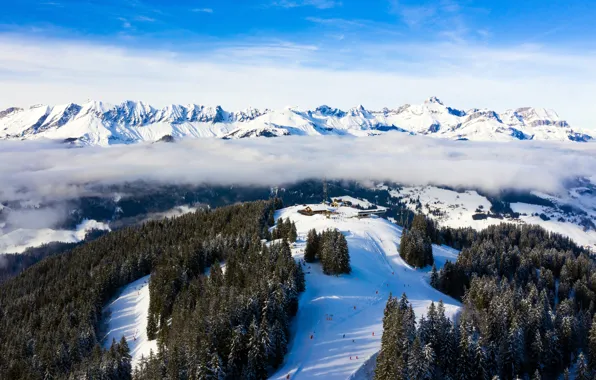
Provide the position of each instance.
(43, 172)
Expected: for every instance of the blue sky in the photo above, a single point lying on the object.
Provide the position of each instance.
(323, 22)
(271, 53)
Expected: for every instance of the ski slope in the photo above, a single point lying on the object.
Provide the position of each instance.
(127, 315)
(352, 305)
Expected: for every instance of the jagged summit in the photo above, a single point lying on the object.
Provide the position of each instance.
(434, 99)
(99, 123)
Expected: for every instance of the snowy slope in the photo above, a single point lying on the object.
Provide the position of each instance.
(97, 123)
(455, 209)
(352, 304)
(126, 316)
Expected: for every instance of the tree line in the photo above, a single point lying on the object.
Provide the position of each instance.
(231, 324)
(528, 303)
(285, 229)
(330, 247)
(50, 314)
(415, 246)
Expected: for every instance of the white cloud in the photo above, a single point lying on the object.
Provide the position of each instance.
(203, 10)
(40, 171)
(144, 19)
(277, 74)
(320, 4)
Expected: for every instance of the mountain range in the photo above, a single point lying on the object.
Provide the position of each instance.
(98, 123)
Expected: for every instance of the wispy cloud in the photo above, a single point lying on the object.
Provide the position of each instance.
(414, 15)
(446, 17)
(144, 19)
(335, 22)
(202, 10)
(52, 4)
(320, 4)
(274, 74)
(125, 23)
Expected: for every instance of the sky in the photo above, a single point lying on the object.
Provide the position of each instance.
(276, 53)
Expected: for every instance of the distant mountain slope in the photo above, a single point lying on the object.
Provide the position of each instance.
(97, 123)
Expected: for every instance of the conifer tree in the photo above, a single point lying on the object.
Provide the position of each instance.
(237, 353)
(343, 256)
(255, 367)
(388, 357)
(434, 277)
(312, 246)
(216, 369)
(292, 233)
(416, 361)
(151, 326)
(583, 372)
(592, 346)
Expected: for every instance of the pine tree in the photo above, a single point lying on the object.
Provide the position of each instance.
(125, 366)
(266, 342)
(465, 363)
(237, 353)
(312, 246)
(482, 372)
(592, 346)
(279, 342)
(255, 368)
(583, 372)
(428, 370)
(292, 234)
(343, 254)
(536, 350)
(216, 370)
(434, 278)
(387, 360)
(515, 349)
(151, 326)
(537, 375)
(416, 361)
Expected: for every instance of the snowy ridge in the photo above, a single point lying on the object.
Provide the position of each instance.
(352, 304)
(98, 123)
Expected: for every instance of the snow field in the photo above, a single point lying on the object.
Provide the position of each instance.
(340, 319)
(127, 316)
(458, 208)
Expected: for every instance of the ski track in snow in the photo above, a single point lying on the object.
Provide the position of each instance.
(326, 308)
(127, 315)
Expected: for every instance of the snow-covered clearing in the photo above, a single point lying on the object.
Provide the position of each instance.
(344, 314)
(19, 240)
(455, 209)
(127, 315)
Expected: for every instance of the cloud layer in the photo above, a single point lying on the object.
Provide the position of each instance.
(43, 171)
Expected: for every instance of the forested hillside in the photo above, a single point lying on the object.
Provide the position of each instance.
(528, 310)
(50, 313)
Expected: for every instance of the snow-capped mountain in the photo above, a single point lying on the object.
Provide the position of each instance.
(97, 123)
